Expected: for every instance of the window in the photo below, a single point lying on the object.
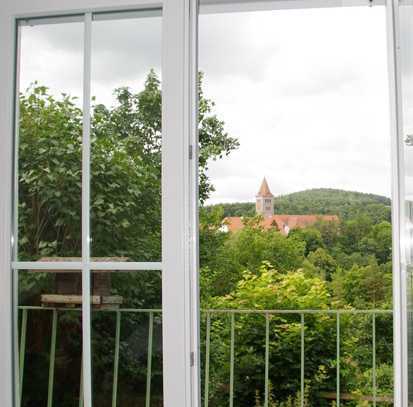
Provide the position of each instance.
(276, 285)
(66, 241)
(95, 177)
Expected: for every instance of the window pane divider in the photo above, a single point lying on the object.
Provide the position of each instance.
(78, 265)
(86, 151)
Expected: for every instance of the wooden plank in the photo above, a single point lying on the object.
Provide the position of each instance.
(349, 397)
(68, 299)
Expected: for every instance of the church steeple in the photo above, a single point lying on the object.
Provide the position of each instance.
(264, 204)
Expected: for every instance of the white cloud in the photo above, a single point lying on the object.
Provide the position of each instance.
(318, 114)
(305, 91)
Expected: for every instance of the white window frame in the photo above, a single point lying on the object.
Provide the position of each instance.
(179, 242)
(180, 245)
(400, 247)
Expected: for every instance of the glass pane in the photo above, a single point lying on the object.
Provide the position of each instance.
(126, 209)
(50, 337)
(295, 211)
(49, 212)
(126, 138)
(127, 338)
(49, 149)
(406, 43)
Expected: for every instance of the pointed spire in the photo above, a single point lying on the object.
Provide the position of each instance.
(264, 191)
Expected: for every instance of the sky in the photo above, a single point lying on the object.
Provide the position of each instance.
(304, 91)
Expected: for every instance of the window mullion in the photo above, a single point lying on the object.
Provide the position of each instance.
(86, 151)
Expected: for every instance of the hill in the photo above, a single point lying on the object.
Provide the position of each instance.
(345, 204)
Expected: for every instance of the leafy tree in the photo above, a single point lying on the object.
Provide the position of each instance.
(310, 235)
(378, 242)
(345, 264)
(268, 289)
(126, 171)
(364, 287)
(125, 210)
(323, 263)
(49, 175)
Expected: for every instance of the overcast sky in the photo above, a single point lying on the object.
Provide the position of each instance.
(304, 91)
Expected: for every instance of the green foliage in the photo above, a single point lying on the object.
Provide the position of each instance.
(364, 287)
(49, 175)
(345, 204)
(125, 172)
(378, 242)
(266, 288)
(126, 144)
(345, 264)
(311, 236)
(323, 263)
(246, 249)
(252, 245)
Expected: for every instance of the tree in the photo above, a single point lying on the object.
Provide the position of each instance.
(310, 235)
(324, 264)
(364, 287)
(126, 146)
(378, 242)
(125, 171)
(267, 289)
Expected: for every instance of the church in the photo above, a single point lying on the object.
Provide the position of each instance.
(264, 206)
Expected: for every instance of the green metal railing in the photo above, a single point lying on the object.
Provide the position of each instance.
(232, 313)
(301, 314)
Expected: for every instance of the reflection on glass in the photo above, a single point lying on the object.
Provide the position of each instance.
(49, 212)
(126, 138)
(126, 209)
(49, 149)
(127, 342)
(50, 334)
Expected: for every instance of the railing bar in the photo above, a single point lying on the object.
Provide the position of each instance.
(116, 361)
(231, 378)
(296, 311)
(22, 349)
(374, 362)
(143, 310)
(132, 310)
(338, 360)
(302, 360)
(207, 356)
(52, 359)
(267, 358)
(225, 311)
(149, 362)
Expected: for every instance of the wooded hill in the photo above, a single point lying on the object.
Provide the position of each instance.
(345, 204)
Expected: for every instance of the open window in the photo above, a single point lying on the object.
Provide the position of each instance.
(112, 138)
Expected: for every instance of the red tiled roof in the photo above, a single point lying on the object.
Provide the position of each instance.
(284, 223)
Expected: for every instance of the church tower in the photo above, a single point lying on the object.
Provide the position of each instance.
(264, 204)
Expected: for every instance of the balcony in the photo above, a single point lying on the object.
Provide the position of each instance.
(220, 382)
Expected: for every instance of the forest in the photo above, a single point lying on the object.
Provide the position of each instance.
(344, 265)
